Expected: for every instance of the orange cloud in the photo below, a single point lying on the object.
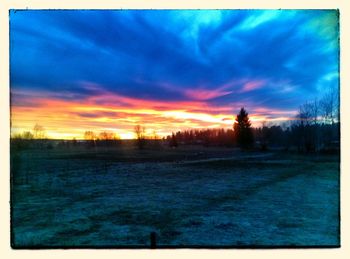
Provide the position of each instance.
(107, 111)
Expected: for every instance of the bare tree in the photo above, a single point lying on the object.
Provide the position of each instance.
(155, 135)
(107, 135)
(305, 114)
(39, 131)
(107, 138)
(330, 106)
(314, 107)
(140, 133)
(89, 135)
(27, 135)
(306, 126)
(90, 138)
(315, 113)
(21, 140)
(330, 110)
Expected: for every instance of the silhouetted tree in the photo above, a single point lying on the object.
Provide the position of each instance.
(330, 111)
(90, 138)
(262, 135)
(107, 135)
(27, 135)
(155, 135)
(107, 138)
(330, 106)
(242, 130)
(89, 135)
(305, 128)
(140, 136)
(39, 131)
(21, 141)
(173, 140)
(205, 137)
(40, 135)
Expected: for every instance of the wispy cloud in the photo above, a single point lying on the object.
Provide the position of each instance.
(62, 116)
(253, 85)
(198, 62)
(206, 94)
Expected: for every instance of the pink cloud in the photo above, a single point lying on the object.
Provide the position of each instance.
(201, 93)
(205, 94)
(253, 85)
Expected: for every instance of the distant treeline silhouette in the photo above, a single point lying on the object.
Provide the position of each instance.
(206, 137)
(315, 128)
(303, 138)
(104, 138)
(241, 135)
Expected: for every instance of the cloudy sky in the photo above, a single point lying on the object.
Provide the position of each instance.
(72, 71)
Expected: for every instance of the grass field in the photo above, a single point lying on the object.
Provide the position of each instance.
(188, 196)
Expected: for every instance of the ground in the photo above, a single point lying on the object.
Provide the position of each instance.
(189, 196)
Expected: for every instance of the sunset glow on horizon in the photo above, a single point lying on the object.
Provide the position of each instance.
(60, 117)
(76, 71)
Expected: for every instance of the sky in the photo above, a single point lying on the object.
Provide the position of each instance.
(168, 70)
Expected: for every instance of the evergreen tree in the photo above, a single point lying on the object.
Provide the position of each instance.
(173, 141)
(242, 130)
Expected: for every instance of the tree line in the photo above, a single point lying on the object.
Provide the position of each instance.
(104, 138)
(302, 135)
(316, 127)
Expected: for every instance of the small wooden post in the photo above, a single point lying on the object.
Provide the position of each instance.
(153, 240)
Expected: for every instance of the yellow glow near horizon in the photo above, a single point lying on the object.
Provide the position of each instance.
(68, 119)
(127, 135)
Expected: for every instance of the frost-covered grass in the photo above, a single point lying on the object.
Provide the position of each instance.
(190, 196)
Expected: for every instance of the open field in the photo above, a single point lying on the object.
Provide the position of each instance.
(188, 196)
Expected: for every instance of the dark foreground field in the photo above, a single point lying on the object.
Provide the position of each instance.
(189, 196)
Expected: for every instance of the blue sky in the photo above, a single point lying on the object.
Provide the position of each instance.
(269, 61)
